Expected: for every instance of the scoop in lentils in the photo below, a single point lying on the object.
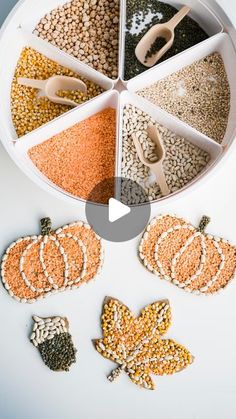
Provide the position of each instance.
(184, 161)
(30, 111)
(88, 30)
(81, 157)
(198, 95)
(141, 16)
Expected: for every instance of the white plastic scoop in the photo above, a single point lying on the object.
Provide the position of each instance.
(54, 84)
(156, 167)
(161, 30)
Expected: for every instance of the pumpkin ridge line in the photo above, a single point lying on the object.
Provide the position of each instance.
(163, 236)
(180, 253)
(42, 261)
(84, 252)
(22, 273)
(220, 269)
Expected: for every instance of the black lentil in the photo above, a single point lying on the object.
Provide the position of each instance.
(58, 353)
(159, 43)
(187, 33)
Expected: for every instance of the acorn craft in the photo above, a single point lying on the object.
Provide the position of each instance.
(136, 344)
(35, 267)
(186, 256)
(52, 338)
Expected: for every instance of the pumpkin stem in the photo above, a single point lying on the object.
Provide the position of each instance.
(204, 223)
(114, 374)
(46, 226)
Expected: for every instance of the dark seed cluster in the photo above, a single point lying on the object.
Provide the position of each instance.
(58, 353)
(156, 46)
(187, 33)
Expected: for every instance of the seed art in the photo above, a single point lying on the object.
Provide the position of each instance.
(35, 267)
(136, 344)
(186, 256)
(51, 336)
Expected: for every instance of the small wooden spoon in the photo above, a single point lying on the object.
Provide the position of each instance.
(54, 84)
(161, 30)
(156, 167)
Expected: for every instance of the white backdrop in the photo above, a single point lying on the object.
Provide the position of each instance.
(206, 390)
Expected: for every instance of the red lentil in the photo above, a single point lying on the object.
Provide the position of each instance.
(79, 158)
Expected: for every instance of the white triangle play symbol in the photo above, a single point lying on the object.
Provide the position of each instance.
(117, 210)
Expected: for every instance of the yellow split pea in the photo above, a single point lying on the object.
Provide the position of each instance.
(30, 111)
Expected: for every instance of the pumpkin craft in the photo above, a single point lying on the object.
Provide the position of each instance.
(136, 343)
(34, 267)
(178, 252)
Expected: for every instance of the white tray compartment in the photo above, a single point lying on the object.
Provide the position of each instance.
(200, 140)
(26, 14)
(25, 39)
(30, 19)
(200, 12)
(219, 43)
(21, 148)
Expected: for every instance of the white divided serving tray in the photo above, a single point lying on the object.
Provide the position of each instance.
(17, 32)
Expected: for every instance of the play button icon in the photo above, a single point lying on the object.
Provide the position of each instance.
(126, 213)
(117, 210)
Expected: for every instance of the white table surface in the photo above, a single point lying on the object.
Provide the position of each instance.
(206, 390)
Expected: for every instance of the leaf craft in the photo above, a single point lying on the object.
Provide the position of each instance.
(136, 344)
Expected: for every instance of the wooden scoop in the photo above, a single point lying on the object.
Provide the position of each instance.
(54, 84)
(161, 30)
(156, 167)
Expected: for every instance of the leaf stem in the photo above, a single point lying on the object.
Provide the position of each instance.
(114, 374)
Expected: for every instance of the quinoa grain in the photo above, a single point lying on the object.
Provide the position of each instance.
(198, 95)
